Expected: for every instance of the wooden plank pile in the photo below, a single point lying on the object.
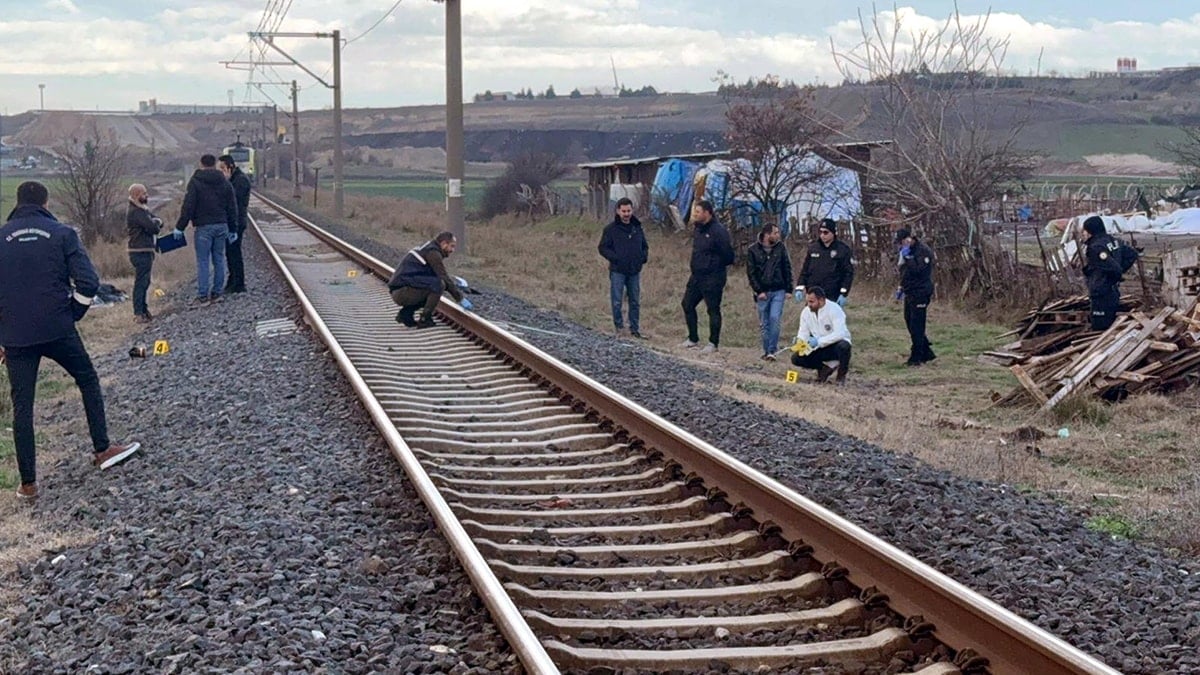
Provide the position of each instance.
(1058, 356)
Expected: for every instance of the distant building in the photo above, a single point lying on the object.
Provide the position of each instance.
(1128, 67)
(153, 107)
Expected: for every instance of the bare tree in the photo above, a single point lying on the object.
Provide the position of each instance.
(93, 168)
(954, 140)
(778, 129)
(1187, 154)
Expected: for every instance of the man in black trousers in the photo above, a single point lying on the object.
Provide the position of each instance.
(233, 246)
(916, 288)
(712, 252)
(47, 283)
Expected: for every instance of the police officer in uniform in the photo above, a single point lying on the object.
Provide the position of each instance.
(916, 288)
(233, 243)
(1102, 267)
(829, 263)
(47, 283)
(420, 279)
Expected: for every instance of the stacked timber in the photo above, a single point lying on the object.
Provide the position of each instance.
(1140, 352)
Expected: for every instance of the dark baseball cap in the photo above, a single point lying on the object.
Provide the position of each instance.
(902, 234)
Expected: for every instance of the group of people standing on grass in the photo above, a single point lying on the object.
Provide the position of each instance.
(217, 203)
(823, 285)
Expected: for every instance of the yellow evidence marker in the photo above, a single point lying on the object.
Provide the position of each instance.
(792, 376)
(161, 347)
(158, 293)
(352, 273)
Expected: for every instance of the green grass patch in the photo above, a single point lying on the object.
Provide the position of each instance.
(8, 463)
(1077, 141)
(1112, 525)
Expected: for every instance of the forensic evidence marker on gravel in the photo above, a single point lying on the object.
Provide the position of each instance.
(600, 535)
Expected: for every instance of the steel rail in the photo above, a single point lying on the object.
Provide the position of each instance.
(961, 617)
(525, 644)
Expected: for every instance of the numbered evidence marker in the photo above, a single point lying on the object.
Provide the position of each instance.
(158, 293)
(161, 347)
(352, 273)
(793, 376)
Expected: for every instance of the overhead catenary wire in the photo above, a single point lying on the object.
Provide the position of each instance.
(374, 25)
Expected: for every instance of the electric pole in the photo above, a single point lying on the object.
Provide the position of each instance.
(455, 214)
(41, 97)
(295, 143)
(336, 86)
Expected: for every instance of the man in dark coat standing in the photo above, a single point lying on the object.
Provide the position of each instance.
(210, 205)
(623, 245)
(233, 245)
(142, 226)
(828, 263)
(916, 288)
(769, 270)
(47, 283)
(712, 252)
(1102, 268)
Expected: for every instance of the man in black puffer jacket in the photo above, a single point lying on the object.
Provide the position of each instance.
(421, 278)
(211, 206)
(712, 252)
(233, 249)
(770, 271)
(623, 245)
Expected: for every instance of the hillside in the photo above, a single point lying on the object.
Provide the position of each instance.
(1101, 126)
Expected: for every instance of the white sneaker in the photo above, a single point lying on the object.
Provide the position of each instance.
(709, 348)
(688, 344)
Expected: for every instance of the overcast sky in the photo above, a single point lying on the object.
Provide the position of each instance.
(109, 54)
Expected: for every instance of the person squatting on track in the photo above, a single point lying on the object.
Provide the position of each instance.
(420, 279)
(828, 263)
(142, 226)
(211, 205)
(233, 245)
(1105, 262)
(712, 252)
(623, 245)
(916, 289)
(770, 272)
(823, 329)
(40, 260)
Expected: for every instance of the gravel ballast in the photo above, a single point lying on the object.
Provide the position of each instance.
(264, 528)
(1135, 607)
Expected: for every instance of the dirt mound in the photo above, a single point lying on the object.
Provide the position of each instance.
(53, 128)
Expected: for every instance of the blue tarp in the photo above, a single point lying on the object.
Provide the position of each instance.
(672, 185)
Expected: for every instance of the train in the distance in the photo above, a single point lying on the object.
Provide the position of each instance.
(244, 156)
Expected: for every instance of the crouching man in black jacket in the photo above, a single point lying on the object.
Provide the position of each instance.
(420, 279)
(47, 283)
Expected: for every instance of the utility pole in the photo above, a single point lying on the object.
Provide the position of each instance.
(41, 97)
(338, 197)
(295, 143)
(336, 86)
(260, 157)
(455, 213)
(275, 139)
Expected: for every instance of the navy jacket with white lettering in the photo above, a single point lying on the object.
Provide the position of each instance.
(39, 259)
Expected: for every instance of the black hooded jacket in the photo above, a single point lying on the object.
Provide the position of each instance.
(712, 251)
(210, 200)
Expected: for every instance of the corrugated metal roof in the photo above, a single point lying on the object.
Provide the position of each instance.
(626, 161)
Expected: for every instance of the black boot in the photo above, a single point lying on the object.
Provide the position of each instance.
(823, 373)
(405, 316)
(841, 374)
(426, 321)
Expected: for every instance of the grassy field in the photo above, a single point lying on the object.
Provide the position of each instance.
(429, 190)
(1124, 465)
(1077, 141)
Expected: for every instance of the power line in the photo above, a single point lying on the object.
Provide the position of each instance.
(374, 25)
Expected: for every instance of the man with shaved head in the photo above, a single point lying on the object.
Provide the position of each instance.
(143, 225)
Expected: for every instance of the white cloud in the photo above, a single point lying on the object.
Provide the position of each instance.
(173, 53)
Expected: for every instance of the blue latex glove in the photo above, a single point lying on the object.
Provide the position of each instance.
(799, 294)
(841, 301)
(899, 293)
(905, 251)
(178, 233)
(466, 304)
(231, 237)
(813, 342)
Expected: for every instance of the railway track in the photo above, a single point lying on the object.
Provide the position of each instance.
(603, 538)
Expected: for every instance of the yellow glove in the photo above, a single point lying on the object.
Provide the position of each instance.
(801, 348)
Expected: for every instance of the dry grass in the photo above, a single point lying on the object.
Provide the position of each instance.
(1128, 464)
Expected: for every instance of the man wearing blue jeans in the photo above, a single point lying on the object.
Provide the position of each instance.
(623, 245)
(770, 272)
(211, 205)
(47, 283)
